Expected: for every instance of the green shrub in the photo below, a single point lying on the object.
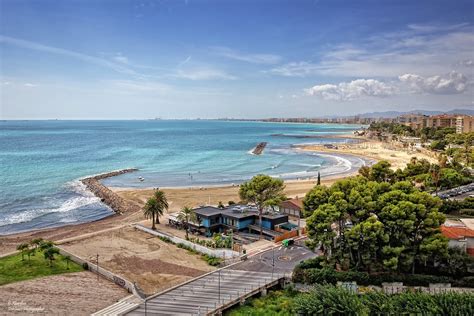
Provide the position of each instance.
(165, 239)
(330, 276)
(211, 260)
(331, 300)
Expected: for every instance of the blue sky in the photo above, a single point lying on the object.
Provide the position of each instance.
(186, 59)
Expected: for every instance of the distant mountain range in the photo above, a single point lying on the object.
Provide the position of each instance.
(392, 114)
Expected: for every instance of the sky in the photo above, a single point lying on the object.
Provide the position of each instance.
(118, 59)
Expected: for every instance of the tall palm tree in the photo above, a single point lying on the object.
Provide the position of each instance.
(187, 215)
(162, 204)
(150, 209)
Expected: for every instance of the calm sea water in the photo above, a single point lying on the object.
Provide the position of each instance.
(41, 161)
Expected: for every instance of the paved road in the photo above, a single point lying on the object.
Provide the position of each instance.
(284, 259)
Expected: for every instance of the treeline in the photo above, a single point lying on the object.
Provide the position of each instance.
(374, 226)
(425, 133)
(429, 176)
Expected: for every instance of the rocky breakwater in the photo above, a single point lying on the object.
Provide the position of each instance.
(107, 196)
(258, 150)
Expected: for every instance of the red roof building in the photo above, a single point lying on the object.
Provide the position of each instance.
(459, 236)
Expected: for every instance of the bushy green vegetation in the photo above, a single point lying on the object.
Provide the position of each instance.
(432, 177)
(464, 207)
(19, 267)
(331, 276)
(375, 226)
(280, 303)
(211, 260)
(217, 241)
(330, 300)
(391, 128)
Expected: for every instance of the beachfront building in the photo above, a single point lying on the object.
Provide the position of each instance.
(239, 218)
(293, 208)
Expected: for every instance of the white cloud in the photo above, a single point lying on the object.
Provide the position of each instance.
(30, 85)
(346, 91)
(466, 63)
(120, 59)
(452, 83)
(421, 49)
(59, 51)
(296, 69)
(250, 58)
(203, 74)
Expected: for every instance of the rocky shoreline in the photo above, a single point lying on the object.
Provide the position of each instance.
(107, 196)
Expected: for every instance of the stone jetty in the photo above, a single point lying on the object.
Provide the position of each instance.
(107, 196)
(258, 150)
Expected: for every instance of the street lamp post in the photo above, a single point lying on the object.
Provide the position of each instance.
(273, 260)
(219, 286)
(97, 267)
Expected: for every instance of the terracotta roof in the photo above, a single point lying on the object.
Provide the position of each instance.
(296, 202)
(456, 232)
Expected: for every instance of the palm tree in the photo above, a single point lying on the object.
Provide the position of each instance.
(49, 254)
(155, 207)
(149, 210)
(187, 215)
(45, 245)
(162, 204)
(23, 248)
(35, 243)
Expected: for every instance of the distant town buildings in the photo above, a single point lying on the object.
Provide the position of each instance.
(462, 123)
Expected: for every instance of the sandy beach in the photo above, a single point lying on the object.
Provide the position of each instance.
(377, 150)
(192, 196)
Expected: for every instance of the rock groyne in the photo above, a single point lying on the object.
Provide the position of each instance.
(107, 196)
(258, 150)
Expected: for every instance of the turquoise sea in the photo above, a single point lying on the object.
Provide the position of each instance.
(41, 161)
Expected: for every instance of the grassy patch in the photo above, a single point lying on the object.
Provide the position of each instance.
(275, 303)
(14, 269)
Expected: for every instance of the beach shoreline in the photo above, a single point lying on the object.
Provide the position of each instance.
(369, 150)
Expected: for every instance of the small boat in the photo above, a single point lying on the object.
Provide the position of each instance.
(141, 179)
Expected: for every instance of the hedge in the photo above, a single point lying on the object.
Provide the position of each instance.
(328, 275)
(330, 300)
